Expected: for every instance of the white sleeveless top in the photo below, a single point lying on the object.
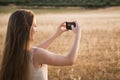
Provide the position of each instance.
(38, 73)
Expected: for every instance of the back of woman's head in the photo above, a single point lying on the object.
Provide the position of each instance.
(15, 62)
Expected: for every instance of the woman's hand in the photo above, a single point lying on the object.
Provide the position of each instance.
(76, 29)
(61, 28)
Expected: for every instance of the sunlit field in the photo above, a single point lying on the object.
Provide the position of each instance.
(99, 53)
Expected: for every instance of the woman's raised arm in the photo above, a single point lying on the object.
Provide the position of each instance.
(42, 56)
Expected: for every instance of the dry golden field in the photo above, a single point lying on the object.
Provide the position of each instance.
(99, 53)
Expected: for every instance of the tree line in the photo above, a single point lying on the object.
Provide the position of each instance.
(63, 3)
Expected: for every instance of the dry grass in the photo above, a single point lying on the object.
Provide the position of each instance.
(99, 54)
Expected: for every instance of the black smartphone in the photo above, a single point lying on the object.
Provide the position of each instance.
(69, 24)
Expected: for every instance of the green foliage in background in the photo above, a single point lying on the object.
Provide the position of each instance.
(58, 3)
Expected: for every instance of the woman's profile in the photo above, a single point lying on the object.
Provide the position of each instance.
(21, 61)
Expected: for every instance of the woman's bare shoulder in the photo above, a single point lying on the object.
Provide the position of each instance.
(35, 54)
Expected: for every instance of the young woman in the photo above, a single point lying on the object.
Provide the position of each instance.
(21, 61)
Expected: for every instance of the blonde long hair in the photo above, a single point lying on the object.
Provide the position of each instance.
(15, 62)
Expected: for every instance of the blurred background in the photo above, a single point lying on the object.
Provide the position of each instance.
(99, 53)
